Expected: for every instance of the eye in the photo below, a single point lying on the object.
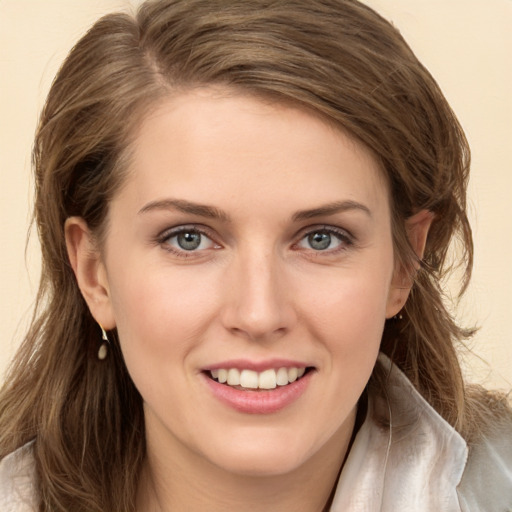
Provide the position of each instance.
(320, 241)
(186, 239)
(325, 239)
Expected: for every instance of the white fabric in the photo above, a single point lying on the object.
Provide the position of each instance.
(17, 492)
(416, 465)
(405, 458)
(420, 463)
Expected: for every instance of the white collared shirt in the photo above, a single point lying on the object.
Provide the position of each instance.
(406, 457)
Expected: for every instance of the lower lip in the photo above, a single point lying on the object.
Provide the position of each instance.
(261, 401)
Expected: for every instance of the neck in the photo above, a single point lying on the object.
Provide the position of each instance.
(194, 484)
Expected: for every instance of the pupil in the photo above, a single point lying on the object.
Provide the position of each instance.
(189, 241)
(319, 241)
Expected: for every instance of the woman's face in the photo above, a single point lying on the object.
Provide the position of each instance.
(250, 241)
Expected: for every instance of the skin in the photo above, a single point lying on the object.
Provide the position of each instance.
(255, 289)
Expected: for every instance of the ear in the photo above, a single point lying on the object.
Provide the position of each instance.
(89, 269)
(417, 228)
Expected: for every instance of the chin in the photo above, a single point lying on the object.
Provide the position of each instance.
(260, 458)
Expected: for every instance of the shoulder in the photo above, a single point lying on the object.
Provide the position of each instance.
(486, 484)
(476, 476)
(17, 481)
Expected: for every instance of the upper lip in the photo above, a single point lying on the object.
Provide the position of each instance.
(257, 366)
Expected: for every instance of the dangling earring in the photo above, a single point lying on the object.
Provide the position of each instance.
(103, 350)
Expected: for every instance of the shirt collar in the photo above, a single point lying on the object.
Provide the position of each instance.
(405, 456)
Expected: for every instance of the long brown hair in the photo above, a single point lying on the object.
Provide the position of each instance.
(337, 57)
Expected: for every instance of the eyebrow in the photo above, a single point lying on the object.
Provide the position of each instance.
(211, 212)
(331, 209)
(202, 210)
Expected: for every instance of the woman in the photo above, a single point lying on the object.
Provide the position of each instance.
(240, 204)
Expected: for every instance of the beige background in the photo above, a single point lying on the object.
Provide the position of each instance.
(466, 44)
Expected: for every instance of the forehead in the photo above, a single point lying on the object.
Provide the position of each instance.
(205, 144)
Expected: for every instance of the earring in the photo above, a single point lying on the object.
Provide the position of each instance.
(398, 316)
(103, 350)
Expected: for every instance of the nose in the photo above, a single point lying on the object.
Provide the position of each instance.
(258, 306)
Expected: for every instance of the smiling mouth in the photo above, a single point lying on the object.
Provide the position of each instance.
(250, 380)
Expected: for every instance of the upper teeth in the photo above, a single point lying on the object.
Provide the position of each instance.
(268, 379)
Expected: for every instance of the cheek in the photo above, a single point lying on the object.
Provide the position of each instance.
(349, 308)
(161, 308)
(161, 317)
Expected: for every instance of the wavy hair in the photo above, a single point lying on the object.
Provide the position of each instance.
(336, 57)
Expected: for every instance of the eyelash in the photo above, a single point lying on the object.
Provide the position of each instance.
(345, 238)
(167, 235)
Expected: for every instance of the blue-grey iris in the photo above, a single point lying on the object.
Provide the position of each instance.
(189, 241)
(319, 241)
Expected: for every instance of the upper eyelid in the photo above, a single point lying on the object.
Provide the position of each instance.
(325, 227)
(176, 230)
